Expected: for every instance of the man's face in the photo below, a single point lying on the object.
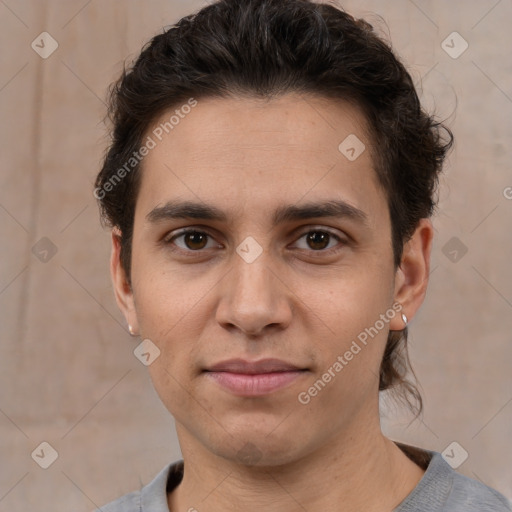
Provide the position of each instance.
(267, 279)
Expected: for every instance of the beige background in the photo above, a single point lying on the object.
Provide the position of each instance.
(67, 371)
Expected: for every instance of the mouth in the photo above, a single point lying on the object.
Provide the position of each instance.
(251, 379)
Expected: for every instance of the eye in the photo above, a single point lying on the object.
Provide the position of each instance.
(318, 240)
(192, 240)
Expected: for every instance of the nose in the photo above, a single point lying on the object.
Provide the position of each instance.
(254, 300)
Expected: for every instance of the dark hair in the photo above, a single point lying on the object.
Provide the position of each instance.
(266, 48)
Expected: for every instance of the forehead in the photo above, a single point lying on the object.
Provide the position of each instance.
(245, 152)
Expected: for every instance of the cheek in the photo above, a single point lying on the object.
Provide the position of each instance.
(351, 309)
(164, 299)
(350, 301)
(349, 357)
(172, 314)
(171, 386)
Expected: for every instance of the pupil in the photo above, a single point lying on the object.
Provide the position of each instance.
(318, 240)
(195, 240)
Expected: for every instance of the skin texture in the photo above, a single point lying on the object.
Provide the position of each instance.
(294, 302)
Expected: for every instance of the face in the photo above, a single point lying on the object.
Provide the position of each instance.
(261, 253)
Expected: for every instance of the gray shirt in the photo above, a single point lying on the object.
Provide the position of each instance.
(441, 489)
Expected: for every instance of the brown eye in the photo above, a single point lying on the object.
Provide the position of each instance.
(321, 241)
(191, 240)
(195, 240)
(318, 240)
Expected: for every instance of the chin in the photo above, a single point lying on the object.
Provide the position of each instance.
(258, 449)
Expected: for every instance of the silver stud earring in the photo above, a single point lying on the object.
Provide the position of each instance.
(404, 318)
(130, 329)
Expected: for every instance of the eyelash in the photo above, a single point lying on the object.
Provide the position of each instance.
(169, 241)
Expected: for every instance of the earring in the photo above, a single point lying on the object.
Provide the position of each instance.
(130, 329)
(404, 318)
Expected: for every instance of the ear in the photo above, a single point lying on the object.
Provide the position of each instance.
(411, 277)
(122, 288)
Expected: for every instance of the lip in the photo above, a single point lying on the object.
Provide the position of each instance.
(268, 365)
(256, 378)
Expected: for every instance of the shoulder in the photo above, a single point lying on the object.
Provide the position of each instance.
(127, 503)
(152, 497)
(469, 495)
(442, 489)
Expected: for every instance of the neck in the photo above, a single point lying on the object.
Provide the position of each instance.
(352, 473)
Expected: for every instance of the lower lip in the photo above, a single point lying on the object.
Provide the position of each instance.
(242, 384)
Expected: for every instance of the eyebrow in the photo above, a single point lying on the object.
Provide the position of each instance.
(286, 213)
